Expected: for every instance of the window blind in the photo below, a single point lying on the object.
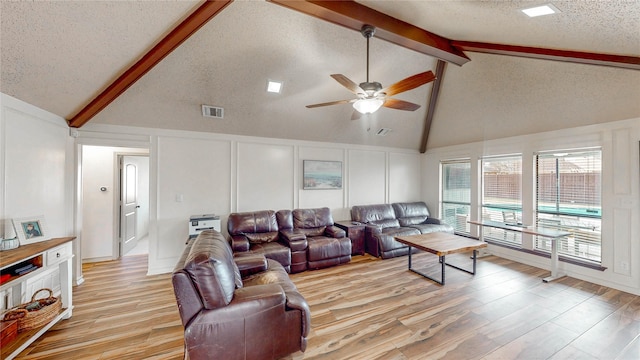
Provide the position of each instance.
(502, 196)
(568, 197)
(456, 194)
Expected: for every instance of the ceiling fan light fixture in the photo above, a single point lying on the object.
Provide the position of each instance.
(367, 106)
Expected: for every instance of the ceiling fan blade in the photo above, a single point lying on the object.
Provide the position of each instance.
(409, 83)
(346, 82)
(400, 105)
(332, 103)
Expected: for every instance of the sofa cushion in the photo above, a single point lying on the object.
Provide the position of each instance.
(414, 220)
(275, 274)
(400, 231)
(312, 218)
(274, 250)
(261, 238)
(312, 222)
(313, 232)
(370, 213)
(258, 226)
(284, 219)
(429, 228)
(386, 223)
(411, 209)
(212, 269)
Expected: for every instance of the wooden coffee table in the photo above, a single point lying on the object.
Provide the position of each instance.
(441, 244)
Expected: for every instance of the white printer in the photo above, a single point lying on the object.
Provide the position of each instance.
(198, 223)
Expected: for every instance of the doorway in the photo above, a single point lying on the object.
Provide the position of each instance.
(101, 194)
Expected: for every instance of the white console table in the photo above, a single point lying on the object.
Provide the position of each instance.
(552, 234)
(52, 259)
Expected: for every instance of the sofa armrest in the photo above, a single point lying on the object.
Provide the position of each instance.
(250, 264)
(431, 220)
(239, 243)
(296, 301)
(294, 239)
(335, 232)
(291, 235)
(371, 230)
(247, 301)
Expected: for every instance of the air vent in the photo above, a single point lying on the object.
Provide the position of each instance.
(212, 111)
(383, 132)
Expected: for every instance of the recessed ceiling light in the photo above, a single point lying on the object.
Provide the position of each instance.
(541, 10)
(274, 86)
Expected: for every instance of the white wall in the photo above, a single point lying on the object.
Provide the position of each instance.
(35, 157)
(197, 173)
(620, 142)
(97, 212)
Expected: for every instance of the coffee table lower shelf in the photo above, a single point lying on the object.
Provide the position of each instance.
(441, 244)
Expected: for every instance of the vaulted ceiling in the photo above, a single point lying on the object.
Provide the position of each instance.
(61, 55)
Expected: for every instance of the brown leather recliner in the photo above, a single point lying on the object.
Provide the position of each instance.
(257, 232)
(327, 245)
(237, 308)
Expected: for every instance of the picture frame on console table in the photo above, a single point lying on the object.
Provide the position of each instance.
(31, 229)
(321, 175)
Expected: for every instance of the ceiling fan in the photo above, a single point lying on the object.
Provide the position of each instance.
(371, 95)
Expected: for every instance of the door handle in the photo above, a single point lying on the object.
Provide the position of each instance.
(137, 206)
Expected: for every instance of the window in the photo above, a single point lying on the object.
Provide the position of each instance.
(502, 196)
(456, 194)
(568, 192)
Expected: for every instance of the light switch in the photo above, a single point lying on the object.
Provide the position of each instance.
(179, 198)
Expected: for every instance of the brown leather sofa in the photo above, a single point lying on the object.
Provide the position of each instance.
(257, 232)
(327, 245)
(386, 221)
(237, 308)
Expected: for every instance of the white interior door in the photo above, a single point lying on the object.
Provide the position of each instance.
(128, 203)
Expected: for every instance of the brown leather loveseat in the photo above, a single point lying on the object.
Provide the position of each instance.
(237, 308)
(416, 215)
(386, 221)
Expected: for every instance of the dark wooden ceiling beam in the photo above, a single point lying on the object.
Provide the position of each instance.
(433, 101)
(353, 15)
(619, 61)
(177, 36)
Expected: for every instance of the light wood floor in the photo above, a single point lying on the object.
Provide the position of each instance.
(370, 309)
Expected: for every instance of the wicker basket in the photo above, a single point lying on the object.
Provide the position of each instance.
(35, 313)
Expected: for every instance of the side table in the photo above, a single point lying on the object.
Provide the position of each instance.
(355, 232)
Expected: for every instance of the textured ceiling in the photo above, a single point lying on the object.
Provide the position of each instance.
(60, 55)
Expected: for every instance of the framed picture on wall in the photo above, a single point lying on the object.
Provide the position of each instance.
(322, 175)
(30, 229)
